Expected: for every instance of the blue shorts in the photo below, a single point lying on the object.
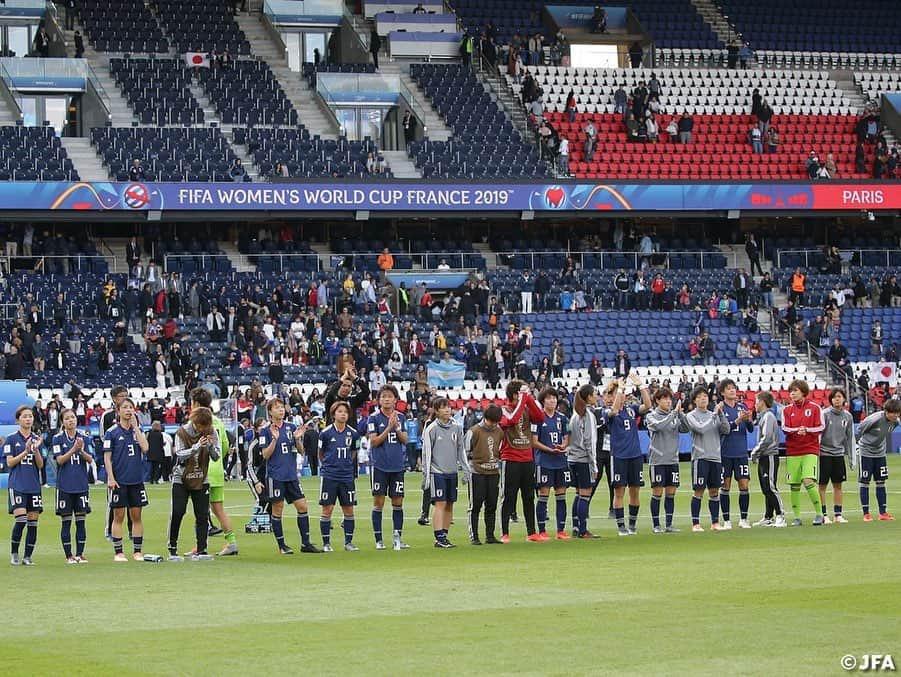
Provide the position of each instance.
(387, 483)
(277, 491)
(581, 475)
(19, 500)
(552, 477)
(627, 472)
(128, 496)
(738, 467)
(443, 487)
(872, 469)
(332, 491)
(67, 503)
(706, 475)
(665, 475)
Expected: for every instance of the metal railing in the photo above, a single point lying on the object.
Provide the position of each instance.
(7, 91)
(281, 261)
(76, 262)
(659, 259)
(847, 256)
(94, 82)
(839, 375)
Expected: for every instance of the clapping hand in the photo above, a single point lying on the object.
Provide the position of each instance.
(634, 378)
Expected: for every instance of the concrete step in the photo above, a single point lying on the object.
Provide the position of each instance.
(84, 157)
(237, 259)
(400, 164)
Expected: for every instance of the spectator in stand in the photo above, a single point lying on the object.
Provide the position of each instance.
(558, 358)
(839, 355)
(756, 140)
(636, 55)
(653, 129)
(237, 172)
(79, 45)
(136, 171)
(281, 169)
(563, 155)
(765, 290)
(830, 166)
(375, 45)
(732, 50)
(693, 351)
(622, 365)
(385, 260)
(526, 289)
(622, 285)
(812, 164)
(876, 338)
(772, 140)
(744, 55)
(658, 287)
(860, 158)
(591, 134)
(707, 348)
(596, 372)
(566, 300)
(753, 252)
(741, 283)
(620, 101)
(686, 127)
(798, 287)
(599, 20)
(743, 348)
(571, 106)
(764, 116)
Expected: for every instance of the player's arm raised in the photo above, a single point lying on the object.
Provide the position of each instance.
(646, 404)
(269, 449)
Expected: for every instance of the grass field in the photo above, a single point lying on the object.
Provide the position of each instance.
(764, 601)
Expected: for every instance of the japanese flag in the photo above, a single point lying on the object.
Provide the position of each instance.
(197, 59)
(887, 371)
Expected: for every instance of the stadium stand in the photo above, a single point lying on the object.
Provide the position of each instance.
(484, 142)
(672, 24)
(113, 26)
(305, 156)
(247, 93)
(815, 26)
(810, 113)
(33, 154)
(202, 26)
(166, 153)
(157, 90)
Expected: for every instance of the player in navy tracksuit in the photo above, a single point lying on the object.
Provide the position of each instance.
(734, 452)
(24, 461)
(388, 441)
(337, 470)
(280, 441)
(626, 461)
(74, 453)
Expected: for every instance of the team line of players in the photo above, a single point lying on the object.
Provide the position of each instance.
(523, 449)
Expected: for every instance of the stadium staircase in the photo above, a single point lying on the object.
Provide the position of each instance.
(433, 126)
(304, 99)
(121, 113)
(84, 157)
(401, 165)
(509, 103)
(239, 262)
(714, 17)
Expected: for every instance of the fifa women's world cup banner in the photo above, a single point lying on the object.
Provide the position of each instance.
(575, 196)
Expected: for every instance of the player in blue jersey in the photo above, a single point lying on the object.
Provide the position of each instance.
(124, 446)
(74, 453)
(734, 451)
(626, 462)
(550, 439)
(280, 441)
(24, 461)
(388, 442)
(337, 470)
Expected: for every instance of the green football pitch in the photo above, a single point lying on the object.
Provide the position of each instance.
(761, 601)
